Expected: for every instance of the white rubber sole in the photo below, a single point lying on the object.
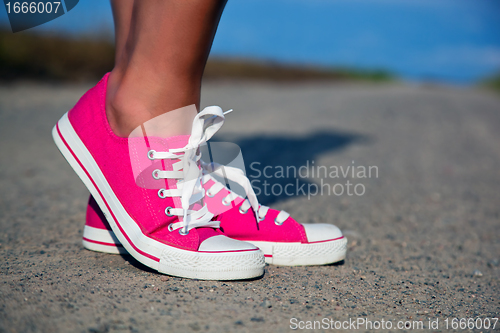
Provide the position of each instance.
(303, 254)
(101, 240)
(156, 255)
(283, 254)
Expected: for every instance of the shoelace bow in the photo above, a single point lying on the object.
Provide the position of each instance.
(189, 187)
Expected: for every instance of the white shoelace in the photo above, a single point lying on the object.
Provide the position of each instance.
(236, 175)
(187, 172)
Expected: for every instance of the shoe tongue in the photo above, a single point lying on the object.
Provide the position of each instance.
(143, 167)
(165, 144)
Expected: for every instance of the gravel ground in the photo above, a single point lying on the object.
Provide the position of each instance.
(423, 238)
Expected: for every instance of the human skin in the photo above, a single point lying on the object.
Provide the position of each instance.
(161, 51)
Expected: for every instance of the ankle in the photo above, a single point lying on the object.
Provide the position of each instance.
(132, 101)
(124, 112)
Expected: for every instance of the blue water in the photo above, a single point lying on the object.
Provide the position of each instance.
(456, 41)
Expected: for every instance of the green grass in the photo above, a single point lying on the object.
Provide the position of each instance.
(492, 83)
(259, 70)
(27, 55)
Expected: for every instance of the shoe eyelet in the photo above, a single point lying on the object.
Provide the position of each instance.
(167, 211)
(278, 223)
(242, 212)
(161, 193)
(209, 194)
(156, 174)
(169, 228)
(151, 154)
(260, 219)
(182, 232)
(225, 203)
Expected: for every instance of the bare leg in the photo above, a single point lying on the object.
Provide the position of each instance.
(160, 63)
(122, 15)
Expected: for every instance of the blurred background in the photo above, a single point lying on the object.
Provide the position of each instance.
(409, 86)
(445, 41)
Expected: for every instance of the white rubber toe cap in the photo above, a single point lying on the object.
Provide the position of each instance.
(321, 232)
(222, 243)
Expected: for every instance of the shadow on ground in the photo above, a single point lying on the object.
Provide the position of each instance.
(133, 262)
(266, 156)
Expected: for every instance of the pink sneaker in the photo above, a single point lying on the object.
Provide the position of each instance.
(149, 189)
(283, 240)
(97, 233)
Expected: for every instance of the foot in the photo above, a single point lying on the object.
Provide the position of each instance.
(150, 192)
(283, 240)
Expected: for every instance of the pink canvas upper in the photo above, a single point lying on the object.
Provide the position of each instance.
(95, 218)
(127, 169)
(244, 227)
(234, 224)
